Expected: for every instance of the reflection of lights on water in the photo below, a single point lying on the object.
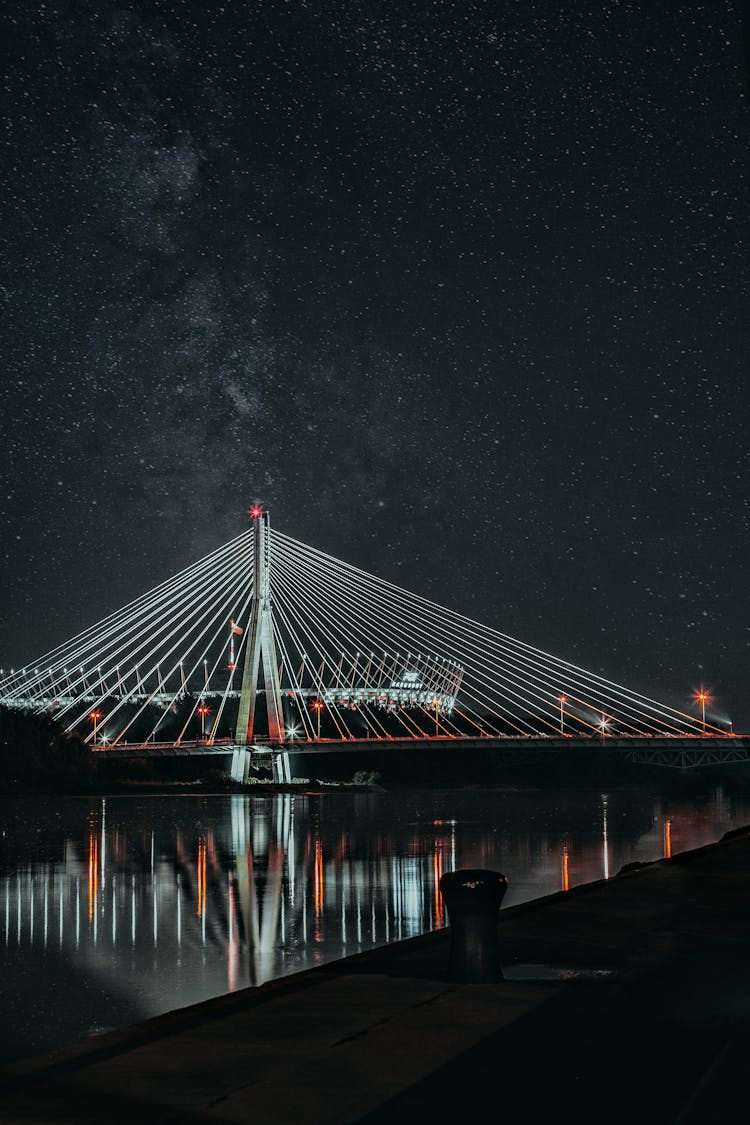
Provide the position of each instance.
(318, 886)
(605, 840)
(232, 942)
(381, 896)
(409, 888)
(103, 838)
(357, 886)
(201, 877)
(132, 909)
(93, 873)
(437, 872)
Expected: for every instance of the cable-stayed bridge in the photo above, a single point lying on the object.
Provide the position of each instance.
(270, 641)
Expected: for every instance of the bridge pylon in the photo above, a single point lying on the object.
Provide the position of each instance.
(260, 646)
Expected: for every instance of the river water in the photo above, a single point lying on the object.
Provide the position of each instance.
(116, 909)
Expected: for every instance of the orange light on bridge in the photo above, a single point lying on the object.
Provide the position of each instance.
(95, 717)
(203, 710)
(703, 697)
(317, 706)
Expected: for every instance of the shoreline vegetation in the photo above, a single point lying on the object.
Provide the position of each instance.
(256, 788)
(37, 756)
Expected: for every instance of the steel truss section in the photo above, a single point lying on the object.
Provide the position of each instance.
(690, 759)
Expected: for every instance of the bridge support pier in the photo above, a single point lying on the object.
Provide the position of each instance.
(242, 762)
(282, 771)
(240, 768)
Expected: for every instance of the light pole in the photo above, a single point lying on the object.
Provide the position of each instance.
(203, 710)
(436, 705)
(95, 716)
(702, 697)
(563, 701)
(317, 707)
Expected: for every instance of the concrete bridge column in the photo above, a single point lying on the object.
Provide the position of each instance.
(282, 772)
(241, 762)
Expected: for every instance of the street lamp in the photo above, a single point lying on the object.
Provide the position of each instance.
(203, 710)
(317, 707)
(95, 716)
(702, 697)
(603, 724)
(563, 701)
(436, 705)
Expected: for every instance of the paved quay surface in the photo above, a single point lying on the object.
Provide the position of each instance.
(623, 1001)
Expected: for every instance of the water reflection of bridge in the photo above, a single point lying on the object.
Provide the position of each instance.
(276, 890)
(151, 904)
(122, 908)
(262, 899)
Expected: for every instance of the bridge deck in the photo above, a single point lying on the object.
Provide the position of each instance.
(679, 752)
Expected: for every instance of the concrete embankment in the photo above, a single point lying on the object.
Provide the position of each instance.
(623, 1001)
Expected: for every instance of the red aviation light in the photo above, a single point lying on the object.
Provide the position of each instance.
(255, 511)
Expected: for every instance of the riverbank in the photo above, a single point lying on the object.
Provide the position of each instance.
(625, 999)
(303, 787)
(401, 769)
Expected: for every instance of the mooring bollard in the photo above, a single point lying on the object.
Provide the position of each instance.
(473, 899)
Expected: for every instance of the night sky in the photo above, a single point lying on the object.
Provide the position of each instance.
(459, 289)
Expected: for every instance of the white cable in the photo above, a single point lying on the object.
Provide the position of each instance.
(474, 625)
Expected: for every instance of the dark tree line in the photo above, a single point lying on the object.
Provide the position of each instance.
(36, 753)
